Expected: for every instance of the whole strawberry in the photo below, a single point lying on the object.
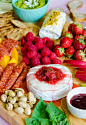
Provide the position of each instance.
(59, 51)
(65, 42)
(79, 44)
(77, 29)
(70, 27)
(84, 33)
(79, 37)
(85, 52)
(67, 34)
(79, 55)
(69, 51)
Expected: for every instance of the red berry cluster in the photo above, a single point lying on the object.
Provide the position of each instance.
(74, 42)
(37, 51)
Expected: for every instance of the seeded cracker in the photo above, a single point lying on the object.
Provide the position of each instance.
(18, 23)
(7, 14)
(7, 27)
(5, 32)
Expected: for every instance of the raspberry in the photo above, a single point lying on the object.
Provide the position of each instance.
(24, 53)
(32, 48)
(23, 41)
(45, 52)
(52, 56)
(37, 39)
(39, 55)
(50, 44)
(35, 61)
(45, 39)
(26, 60)
(23, 49)
(45, 60)
(29, 36)
(39, 45)
(27, 44)
(56, 61)
(31, 54)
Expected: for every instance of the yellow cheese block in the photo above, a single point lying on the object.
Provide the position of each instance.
(4, 61)
(14, 54)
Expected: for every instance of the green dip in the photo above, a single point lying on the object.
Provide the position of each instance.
(30, 4)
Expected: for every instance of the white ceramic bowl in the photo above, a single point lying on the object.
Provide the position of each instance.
(80, 113)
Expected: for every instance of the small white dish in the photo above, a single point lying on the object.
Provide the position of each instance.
(80, 113)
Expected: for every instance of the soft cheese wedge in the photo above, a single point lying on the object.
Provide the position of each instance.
(53, 24)
(49, 92)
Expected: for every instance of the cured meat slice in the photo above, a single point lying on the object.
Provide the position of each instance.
(20, 78)
(7, 72)
(9, 44)
(15, 74)
(49, 92)
(1, 70)
(3, 52)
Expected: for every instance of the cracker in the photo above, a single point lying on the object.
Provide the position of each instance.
(17, 34)
(2, 22)
(7, 27)
(18, 23)
(6, 32)
(7, 14)
(34, 30)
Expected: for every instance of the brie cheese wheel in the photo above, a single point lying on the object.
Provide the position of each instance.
(49, 92)
(53, 24)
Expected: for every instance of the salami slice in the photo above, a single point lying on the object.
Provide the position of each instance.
(15, 74)
(3, 52)
(7, 72)
(9, 44)
(1, 70)
(21, 78)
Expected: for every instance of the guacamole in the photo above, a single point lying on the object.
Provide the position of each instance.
(30, 4)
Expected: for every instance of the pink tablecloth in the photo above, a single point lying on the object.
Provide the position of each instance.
(54, 4)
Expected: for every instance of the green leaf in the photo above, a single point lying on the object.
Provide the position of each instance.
(39, 111)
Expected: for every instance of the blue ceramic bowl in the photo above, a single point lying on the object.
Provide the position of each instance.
(30, 15)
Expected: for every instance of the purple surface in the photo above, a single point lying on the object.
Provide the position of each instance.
(54, 4)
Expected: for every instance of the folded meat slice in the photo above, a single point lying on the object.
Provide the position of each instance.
(49, 92)
(53, 24)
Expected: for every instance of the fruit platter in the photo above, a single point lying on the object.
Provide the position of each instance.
(42, 60)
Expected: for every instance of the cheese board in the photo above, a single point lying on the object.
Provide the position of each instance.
(10, 116)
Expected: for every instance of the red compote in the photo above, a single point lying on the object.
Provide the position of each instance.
(79, 101)
(49, 74)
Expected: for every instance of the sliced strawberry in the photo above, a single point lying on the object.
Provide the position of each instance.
(75, 62)
(69, 51)
(77, 29)
(65, 42)
(67, 34)
(79, 55)
(59, 51)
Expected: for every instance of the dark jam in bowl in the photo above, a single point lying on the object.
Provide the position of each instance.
(49, 74)
(79, 101)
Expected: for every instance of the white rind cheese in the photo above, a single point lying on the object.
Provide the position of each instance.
(49, 92)
(54, 30)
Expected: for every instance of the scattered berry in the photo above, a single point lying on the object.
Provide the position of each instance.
(45, 39)
(65, 42)
(39, 55)
(56, 61)
(67, 34)
(32, 48)
(45, 52)
(45, 60)
(77, 29)
(79, 37)
(23, 49)
(35, 61)
(52, 55)
(31, 54)
(84, 33)
(23, 41)
(37, 39)
(26, 60)
(27, 44)
(79, 44)
(39, 45)
(29, 36)
(79, 55)
(69, 51)
(24, 53)
(50, 44)
(59, 51)
(70, 27)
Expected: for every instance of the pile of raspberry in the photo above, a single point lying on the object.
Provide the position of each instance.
(37, 51)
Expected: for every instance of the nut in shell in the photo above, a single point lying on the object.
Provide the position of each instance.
(23, 98)
(27, 111)
(12, 93)
(3, 98)
(15, 105)
(30, 96)
(19, 110)
(9, 106)
(12, 100)
(19, 93)
(22, 104)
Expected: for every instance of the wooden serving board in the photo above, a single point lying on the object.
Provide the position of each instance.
(17, 119)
